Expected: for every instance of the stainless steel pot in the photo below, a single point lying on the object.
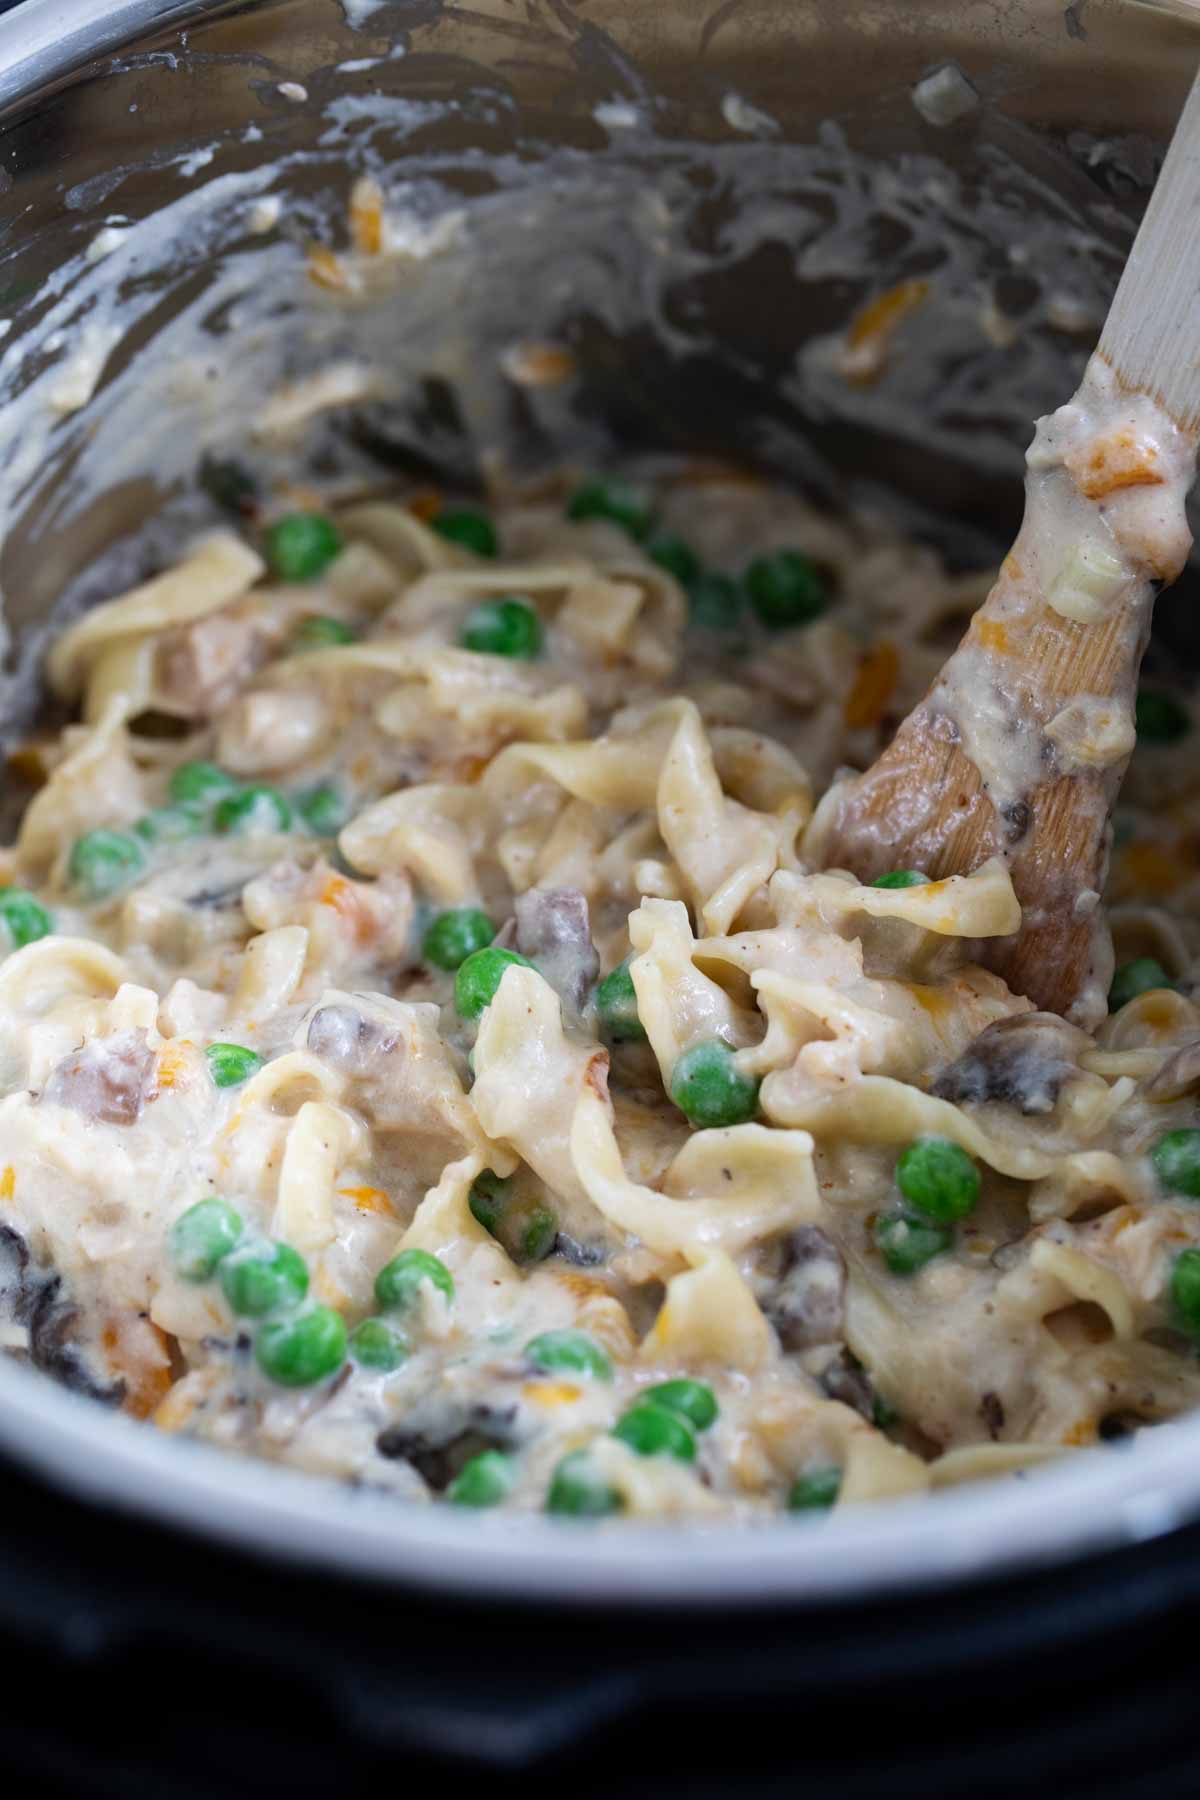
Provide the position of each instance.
(696, 198)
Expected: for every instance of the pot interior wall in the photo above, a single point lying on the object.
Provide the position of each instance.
(698, 204)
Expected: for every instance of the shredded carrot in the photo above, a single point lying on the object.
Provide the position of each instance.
(1151, 870)
(425, 504)
(173, 1061)
(870, 334)
(538, 365)
(1117, 461)
(145, 1372)
(30, 761)
(326, 269)
(873, 687)
(1082, 1432)
(366, 217)
(550, 1394)
(369, 1199)
(993, 636)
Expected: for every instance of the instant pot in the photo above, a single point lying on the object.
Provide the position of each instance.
(695, 198)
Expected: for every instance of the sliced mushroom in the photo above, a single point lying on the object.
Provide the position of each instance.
(108, 1080)
(554, 932)
(1022, 1062)
(808, 1305)
(1178, 1075)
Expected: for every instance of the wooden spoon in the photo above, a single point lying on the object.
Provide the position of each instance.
(1019, 748)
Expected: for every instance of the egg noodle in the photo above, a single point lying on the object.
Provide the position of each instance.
(427, 1029)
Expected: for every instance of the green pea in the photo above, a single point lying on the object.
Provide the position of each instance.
(376, 1344)
(323, 810)
(675, 556)
(508, 626)
(231, 1064)
(1185, 1290)
(578, 1489)
(24, 919)
(616, 501)
(573, 1350)
(883, 1414)
(479, 976)
(300, 546)
(201, 1237)
(616, 1007)
(170, 824)
(815, 1491)
(488, 1198)
(907, 1244)
(1159, 717)
(900, 878)
(261, 1283)
(1140, 976)
(690, 1400)
(539, 1235)
(785, 589)
(707, 1086)
(455, 935)
(102, 862)
(199, 783)
(653, 1431)
(486, 1480)
(1176, 1159)
(398, 1283)
(227, 482)
(257, 811)
(715, 603)
(302, 1349)
(471, 530)
(938, 1177)
(321, 633)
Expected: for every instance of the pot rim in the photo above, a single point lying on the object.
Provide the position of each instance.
(1096, 1500)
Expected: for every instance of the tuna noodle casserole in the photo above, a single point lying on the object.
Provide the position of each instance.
(431, 1055)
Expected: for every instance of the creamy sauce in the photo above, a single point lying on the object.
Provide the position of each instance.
(637, 791)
